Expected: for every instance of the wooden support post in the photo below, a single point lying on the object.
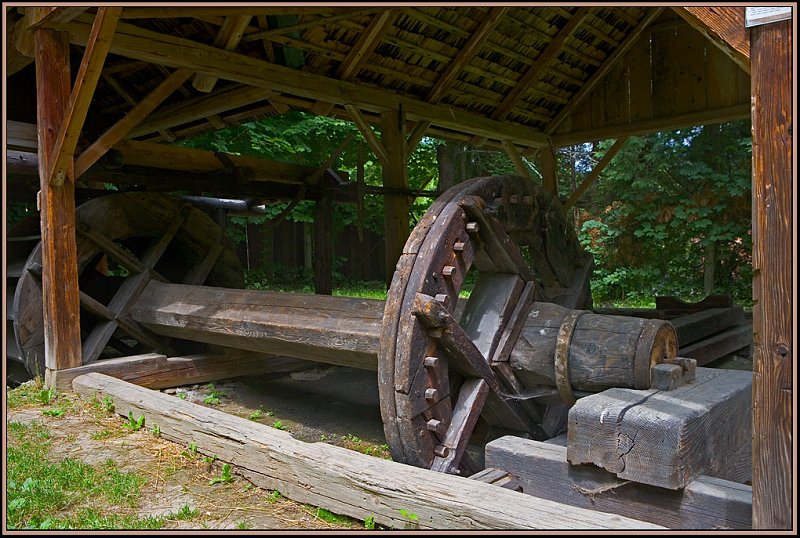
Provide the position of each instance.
(60, 292)
(548, 165)
(771, 68)
(344, 481)
(595, 173)
(516, 158)
(395, 175)
(323, 246)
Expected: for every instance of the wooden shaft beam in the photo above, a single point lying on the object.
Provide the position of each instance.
(228, 38)
(395, 175)
(538, 67)
(476, 40)
(548, 165)
(366, 44)
(61, 309)
(516, 158)
(774, 188)
(94, 57)
(724, 27)
(592, 176)
(119, 130)
(602, 71)
(162, 49)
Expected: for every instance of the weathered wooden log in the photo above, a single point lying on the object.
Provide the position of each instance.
(341, 480)
(543, 471)
(603, 351)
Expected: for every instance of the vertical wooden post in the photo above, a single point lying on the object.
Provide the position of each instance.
(548, 165)
(62, 337)
(395, 175)
(323, 246)
(771, 92)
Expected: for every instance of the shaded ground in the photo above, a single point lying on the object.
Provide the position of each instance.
(332, 404)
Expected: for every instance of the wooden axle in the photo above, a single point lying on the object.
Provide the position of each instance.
(600, 351)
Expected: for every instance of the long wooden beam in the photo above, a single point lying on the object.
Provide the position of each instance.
(774, 237)
(592, 176)
(703, 117)
(369, 135)
(516, 159)
(62, 336)
(602, 71)
(119, 130)
(163, 12)
(138, 43)
(366, 44)
(724, 27)
(228, 37)
(94, 57)
(341, 480)
(536, 70)
(472, 46)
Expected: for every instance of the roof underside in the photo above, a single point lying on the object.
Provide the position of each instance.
(480, 74)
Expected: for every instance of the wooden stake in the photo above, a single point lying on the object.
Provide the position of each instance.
(61, 310)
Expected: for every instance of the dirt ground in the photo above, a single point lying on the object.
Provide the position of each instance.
(332, 404)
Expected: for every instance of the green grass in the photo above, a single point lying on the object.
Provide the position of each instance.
(45, 492)
(328, 516)
(28, 393)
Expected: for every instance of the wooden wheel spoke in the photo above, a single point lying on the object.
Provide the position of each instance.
(157, 249)
(120, 255)
(466, 411)
(199, 273)
(500, 248)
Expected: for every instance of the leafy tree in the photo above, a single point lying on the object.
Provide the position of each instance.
(671, 209)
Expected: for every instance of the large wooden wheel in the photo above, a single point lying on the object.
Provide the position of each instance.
(441, 366)
(124, 240)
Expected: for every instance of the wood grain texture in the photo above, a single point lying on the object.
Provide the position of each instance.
(542, 470)
(395, 175)
(341, 480)
(156, 371)
(724, 27)
(774, 188)
(61, 303)
(334, 330)
(668, 438)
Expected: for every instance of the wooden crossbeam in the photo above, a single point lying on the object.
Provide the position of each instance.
(228, 38)
(94, 56)
(158, 48)
(369, 135)
(592, 176)
(602, 71)
(36, 17)
(476, 40)
(119, 130)
(516, 158)
(536, 70)
(163, 12)
(366, 44)
(342, 14)
(416, 135)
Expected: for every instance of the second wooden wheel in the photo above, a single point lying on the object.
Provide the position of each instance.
(441, 366)
(124, 240)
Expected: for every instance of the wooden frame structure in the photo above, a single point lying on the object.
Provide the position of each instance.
(526, 79)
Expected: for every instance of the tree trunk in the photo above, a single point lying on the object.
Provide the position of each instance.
(709, 267)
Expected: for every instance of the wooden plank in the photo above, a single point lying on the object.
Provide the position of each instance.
(542, 470)
(665, 69)
(639, 75)
(592, 176)
(477, 38)
(497, 477)
(693, 327)
(690, 78)
(334, 330)
(369, 135)
(119, 130)
(537, 69)
(366, 44)
(199, 12)
(21, 136)
(601, 72)
(466, 411)
(724, 27)
(156, 371)
(668, 438)
(343, 481)
(36, 17)
(138, 43)
(774, 188)
(94, 57)
(721, 79)
(228, 38)
(61, 303)
(705, 117)
(719, 345)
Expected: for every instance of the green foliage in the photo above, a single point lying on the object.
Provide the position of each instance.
(274, 496)
(659, 205)
(224, 477)
(192, 451)
(255, 415)
(134, 424)
(369, 523)
(411, 516)
(278, 425)
(156, 430)
(186, 513)
(48, 493)
(54, 412)
(108, 404)
(47, 395)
